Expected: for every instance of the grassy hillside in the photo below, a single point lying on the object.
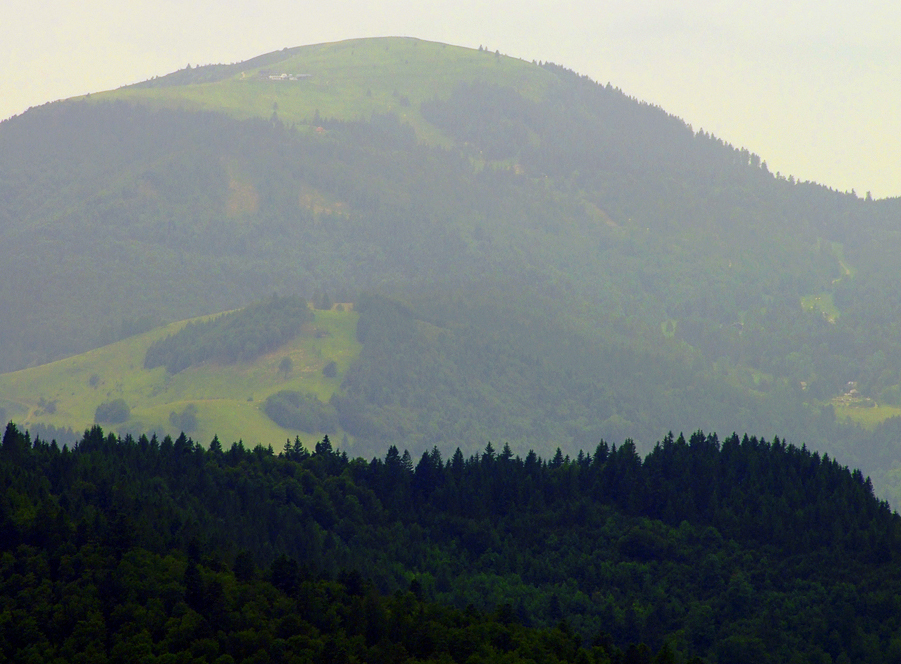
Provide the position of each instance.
(346, 80)
(228, 399)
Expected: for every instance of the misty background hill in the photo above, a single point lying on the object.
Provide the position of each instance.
(534, 256)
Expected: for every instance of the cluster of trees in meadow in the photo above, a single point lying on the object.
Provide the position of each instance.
(734, 550)
(184, 420)
(114, 411)
(240, 336)
(304, 412)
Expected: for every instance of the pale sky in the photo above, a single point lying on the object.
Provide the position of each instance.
(814, 88)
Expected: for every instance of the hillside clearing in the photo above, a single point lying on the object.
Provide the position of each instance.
(228, 398)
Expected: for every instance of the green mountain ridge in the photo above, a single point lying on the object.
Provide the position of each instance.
(568, 262)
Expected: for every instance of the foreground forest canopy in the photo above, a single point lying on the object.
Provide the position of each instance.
(740, 550)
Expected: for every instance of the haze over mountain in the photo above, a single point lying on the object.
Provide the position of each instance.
(810, 86)
(543, 258)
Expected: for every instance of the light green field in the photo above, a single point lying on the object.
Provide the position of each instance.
(822, 303)
(848, 271)
(350, 80)
(867, 417)
(229, 398)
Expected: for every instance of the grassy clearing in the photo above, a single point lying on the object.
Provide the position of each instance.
(229, 398)
(822, 303)
(350, 80)
(867, 417)
(838, 250)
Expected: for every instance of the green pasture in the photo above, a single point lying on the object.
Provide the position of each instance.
(823, 304)
(847, 270)
(866, 416)
(350, 80)
(229, 398)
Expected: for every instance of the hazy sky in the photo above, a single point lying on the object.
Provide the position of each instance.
(813, 87)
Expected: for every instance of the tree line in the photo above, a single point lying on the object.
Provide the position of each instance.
(239, 336)
(732, 550)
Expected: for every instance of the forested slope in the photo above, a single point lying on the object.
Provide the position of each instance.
(574, 264)
(81, 590)
(740, 550)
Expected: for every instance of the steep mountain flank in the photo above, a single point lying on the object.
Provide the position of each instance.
(568, 262)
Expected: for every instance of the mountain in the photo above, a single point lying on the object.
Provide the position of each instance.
(533, 256)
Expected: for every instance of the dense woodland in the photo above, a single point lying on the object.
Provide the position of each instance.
(293, 410)
(457, 371)
(730, 551)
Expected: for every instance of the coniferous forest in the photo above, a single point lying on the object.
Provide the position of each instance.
(733, 550)
(241, 335)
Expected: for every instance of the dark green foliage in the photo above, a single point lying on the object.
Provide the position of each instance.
(304, 412)
(721, 549)
(186, 420)
(62, 435)
(330, 370)
(128, 328)
(240, 336)
(112, 412)
(80, 581)
(144, 607)
(15, 446)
